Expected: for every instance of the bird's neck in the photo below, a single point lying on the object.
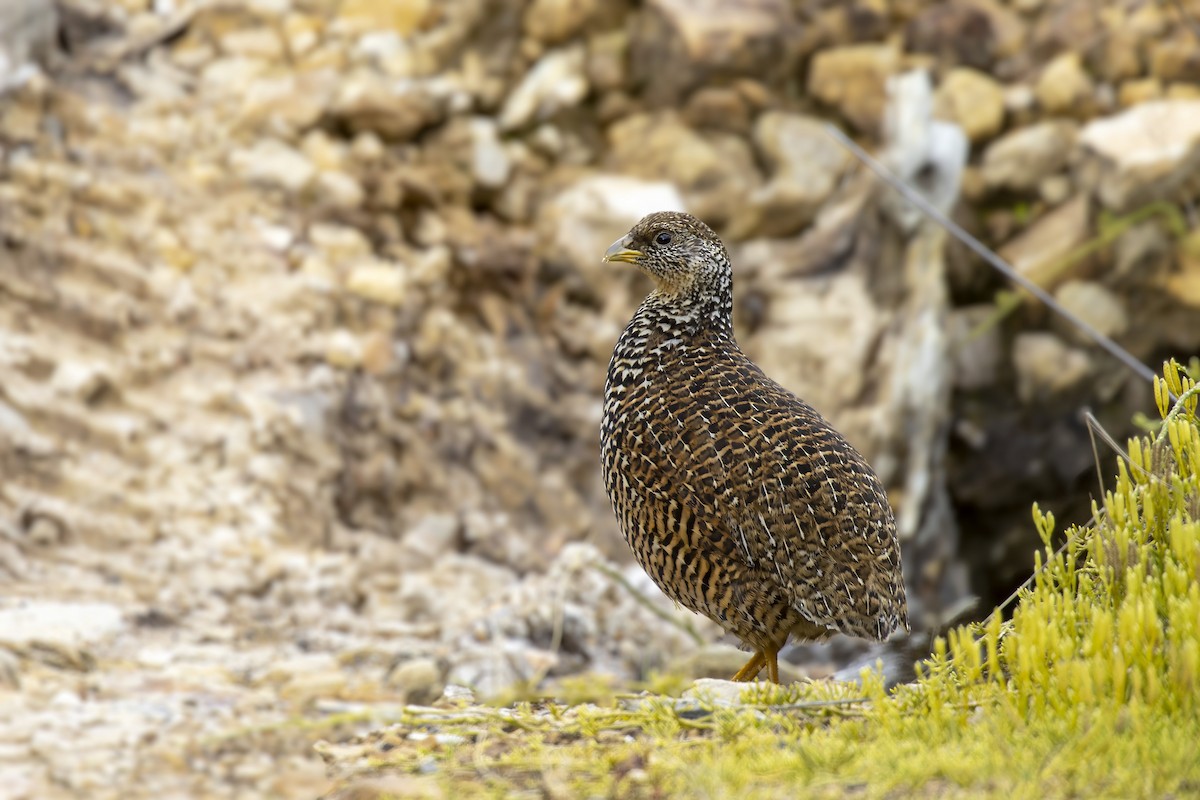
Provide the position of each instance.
(668, 320)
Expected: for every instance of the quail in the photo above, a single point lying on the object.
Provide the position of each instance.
(738, 498)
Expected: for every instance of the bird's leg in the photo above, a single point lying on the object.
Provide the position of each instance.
(771, 655)
(750, 671)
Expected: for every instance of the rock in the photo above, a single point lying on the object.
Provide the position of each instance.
(556, 82)
(430, 537)
(1055, 189)
(854, 81)
(679, 45)
(1136, 92)
(973, 100)
(928, 154)
(804, 164)
(261, 43)
(273, 164)
(343, 349)
(339, 189)
(455, 694)
(1184, 284)
(1021, 159)
(339, 242)
(607, 68)
(381, 355)
(1145, 248)
(309, 686)
(1176, 58)
(555, 21)
(1183, 91)
(1019, 103)
(1064, 87)
(1046, 366)
(973, 33)
(401, 16)
(721, 108)
(379, 281)
(287, 103)
(10, 671)
(27, 31)
(976, 346)
(419, 680)
(81, 381)
(490, 164)
(1143, 153)
(392, 109)
(388, 53)
(1038, 253)
(1066, 26)
(26, 624)
(716, 172)
(716, 692)
(1116, 57)
(1095, 305)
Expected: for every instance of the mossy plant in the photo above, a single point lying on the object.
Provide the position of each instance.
(1090, 689)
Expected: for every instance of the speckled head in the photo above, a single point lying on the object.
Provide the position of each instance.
(678, 251)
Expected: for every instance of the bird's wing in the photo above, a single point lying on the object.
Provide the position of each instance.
(791, 498)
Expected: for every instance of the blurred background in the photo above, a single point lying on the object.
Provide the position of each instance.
(303, 331)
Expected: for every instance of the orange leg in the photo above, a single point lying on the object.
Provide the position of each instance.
(768, 657)
(750, 671)
(772, 657)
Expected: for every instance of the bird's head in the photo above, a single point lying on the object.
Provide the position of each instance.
(678, 251)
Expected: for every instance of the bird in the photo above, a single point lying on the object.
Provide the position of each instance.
(738, 499)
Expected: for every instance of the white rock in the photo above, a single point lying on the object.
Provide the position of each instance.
(1144, 152)
(13, 424)
(65, 624)
(926, 153)
(432, 536)
(716, 692)
(1021, 159)
(1094, 304)
(378, 281)
(456, 694)
(276, 237)
(27, 29)
(343, 349)
(80, 380)
(339, 242)
(273, 164)
(490, 164)
(1038, 252)
(556, 82)
(805, 165)
(339, 189)
(1046, 365)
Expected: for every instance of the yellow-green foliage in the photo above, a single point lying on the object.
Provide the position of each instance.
(1090, 689)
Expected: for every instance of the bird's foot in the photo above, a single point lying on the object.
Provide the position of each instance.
(768, 657)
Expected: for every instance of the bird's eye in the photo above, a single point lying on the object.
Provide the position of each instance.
(663, 238)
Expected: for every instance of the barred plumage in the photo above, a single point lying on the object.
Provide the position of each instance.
(738, 498)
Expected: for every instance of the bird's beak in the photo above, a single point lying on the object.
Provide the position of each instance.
(620, 251)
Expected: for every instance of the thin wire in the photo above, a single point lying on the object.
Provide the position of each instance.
(980, 249)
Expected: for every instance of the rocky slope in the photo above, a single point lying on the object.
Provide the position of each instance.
(303, 329)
